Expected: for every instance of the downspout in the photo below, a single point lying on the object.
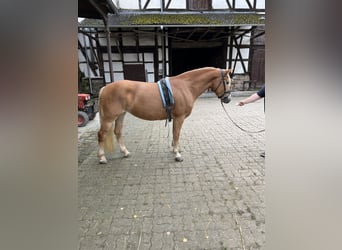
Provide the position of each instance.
(163, 49)
(109, 49)
(107, 30)
(113, 7)
(161, 6)
(162, 39)
(87, 60)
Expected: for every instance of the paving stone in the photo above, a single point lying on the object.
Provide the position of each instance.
(149, 201)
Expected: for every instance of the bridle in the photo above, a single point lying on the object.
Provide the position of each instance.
(227, 99)
(224, 97)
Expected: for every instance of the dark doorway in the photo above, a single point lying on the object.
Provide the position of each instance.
(135, 72)
(185, 59)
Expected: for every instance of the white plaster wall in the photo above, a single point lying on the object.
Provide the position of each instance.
(128, 4)
(244, 53)
(81, 58)
(178, 4)
(260, 4)
(148, 57)
(219, 4)
(106, 66)
(160, 68)
(80, 38)
(83, 38)
(115, 56)
(152, 5)
(130, 57)
(222, 4)
(238, 68)
(160, 56)
(83, 68)
(146, 40)
(149, 67)
(128, 40)
(241, 4)
(150, 78)
(181, 4)
(118, 76)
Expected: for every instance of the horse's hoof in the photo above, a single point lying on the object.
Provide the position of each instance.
(103, 161)
(179, 159)
(127, 155)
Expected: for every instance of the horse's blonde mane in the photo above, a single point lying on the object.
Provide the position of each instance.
(196, 70)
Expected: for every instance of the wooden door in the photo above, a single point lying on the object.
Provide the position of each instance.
(199, 4)
(258, 66)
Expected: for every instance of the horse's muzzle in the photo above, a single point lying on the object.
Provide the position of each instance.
(226, 99)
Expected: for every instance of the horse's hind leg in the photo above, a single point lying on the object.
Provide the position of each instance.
(118, 134)
(105, 133)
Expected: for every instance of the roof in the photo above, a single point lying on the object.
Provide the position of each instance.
(87, 9)
(188, 19)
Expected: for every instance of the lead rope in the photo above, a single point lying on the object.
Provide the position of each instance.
(259, 131)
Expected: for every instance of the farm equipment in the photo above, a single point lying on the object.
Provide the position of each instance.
(87, 109)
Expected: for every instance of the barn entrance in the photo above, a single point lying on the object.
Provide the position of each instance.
(184, 59)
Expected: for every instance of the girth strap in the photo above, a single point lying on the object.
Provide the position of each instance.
(166, 95)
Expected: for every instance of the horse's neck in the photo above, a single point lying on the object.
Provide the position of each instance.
(200, 82)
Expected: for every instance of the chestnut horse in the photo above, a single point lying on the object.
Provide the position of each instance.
(143, 100)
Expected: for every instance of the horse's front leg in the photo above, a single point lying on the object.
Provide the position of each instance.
(177, 125)
(118, 134)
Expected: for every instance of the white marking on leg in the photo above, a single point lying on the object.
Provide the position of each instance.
(178, 156)
(118, 134)
(101, 155)
(124, 150)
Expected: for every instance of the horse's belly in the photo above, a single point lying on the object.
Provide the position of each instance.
(146, 103)
(148, 113)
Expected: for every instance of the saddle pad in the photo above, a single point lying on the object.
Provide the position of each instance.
(169, 92)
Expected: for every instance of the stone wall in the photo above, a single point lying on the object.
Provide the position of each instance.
(237, 82)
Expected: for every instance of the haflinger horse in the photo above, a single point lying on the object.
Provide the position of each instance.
(144, 101)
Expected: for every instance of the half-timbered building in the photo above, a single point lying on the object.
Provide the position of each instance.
(146, 40)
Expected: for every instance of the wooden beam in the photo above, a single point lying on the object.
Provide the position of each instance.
(85, 54)
(257, 35)
(229, 4)
(100, 56)
(204, 34)
(168, 4)
(238, 54)
(231, 48)
(249, 4)
(147, 2)
(191, 33)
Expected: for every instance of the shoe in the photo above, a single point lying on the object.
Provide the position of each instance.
(262, 154)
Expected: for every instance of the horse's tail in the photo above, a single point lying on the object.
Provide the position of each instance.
(109, 145)
(99, 102)
(109, 136)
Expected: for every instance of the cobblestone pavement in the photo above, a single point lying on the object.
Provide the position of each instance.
(214, 199)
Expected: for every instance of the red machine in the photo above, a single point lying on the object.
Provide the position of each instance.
(87, 109)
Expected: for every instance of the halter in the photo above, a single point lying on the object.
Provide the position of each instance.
(225, 99)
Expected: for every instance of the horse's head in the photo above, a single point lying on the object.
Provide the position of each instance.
(222, 89)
